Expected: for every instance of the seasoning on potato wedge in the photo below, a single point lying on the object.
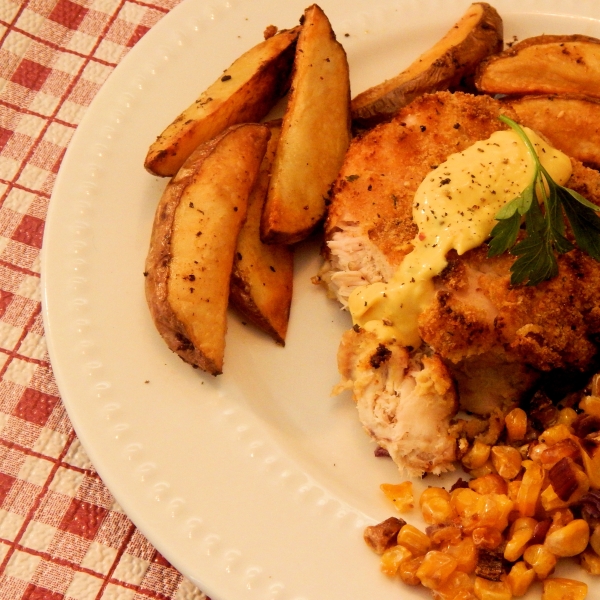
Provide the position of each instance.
(562, 119)
(314, 137)
(544, 64)
(474, 37)
(262, 275)
(245, 92)
(193, 240)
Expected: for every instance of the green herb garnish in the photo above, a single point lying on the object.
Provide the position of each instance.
(545, 228)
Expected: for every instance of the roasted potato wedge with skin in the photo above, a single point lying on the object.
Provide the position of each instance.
(570, 123)
(545, 64)
(314, 136)
(194, 236)
(262, 276)
(244, 93)
(474, 37)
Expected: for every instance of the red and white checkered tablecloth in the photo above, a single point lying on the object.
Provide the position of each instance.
(62, 535)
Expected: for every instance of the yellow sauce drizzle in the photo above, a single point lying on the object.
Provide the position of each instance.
(453, 208)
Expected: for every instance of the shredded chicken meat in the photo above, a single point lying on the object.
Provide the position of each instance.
(481, 336)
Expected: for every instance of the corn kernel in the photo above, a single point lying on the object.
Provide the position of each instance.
(433, 492)
(445, 534)
(465, 553)
(400, 494)
(517, 544)
(559, 588)
(464, 500)
(491, 483)
(435, 569)
(591, 464)
(487, 537)
(555, 434)
(520, 533)
(491, 590)
(392, 558)
(413, 539)
(435, 506)
(590, 405)
(590, 561)
(566, 416)
(560, 518)
(457, 587)
(490, 510)
(530, 488)
(486, 469)
(595, 540)
(507, 461)
(516, 424)
(540, 559)
(513, 490)
(569, 540)
(476, 456)
(535, 451)
(523, 523)
(520, 579)
(408, 570)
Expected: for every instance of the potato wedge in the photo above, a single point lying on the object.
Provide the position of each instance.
(571, 123)
(194, 235)
(244, 93)
(545, 64)
(475, 36)
(314, 137)
(263, 274)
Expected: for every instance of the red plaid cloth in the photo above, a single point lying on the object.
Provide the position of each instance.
(62, 535)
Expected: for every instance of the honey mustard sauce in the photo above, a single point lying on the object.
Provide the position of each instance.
(454, 208)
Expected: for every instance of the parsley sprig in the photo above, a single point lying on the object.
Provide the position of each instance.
(544, 227)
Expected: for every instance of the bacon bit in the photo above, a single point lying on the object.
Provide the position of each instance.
(540, 531)
(422, 236)
(489, 565)
(591, 502)
(381, 452)
(541, 411)
(585, 424)
(383, 536)
(563, 478)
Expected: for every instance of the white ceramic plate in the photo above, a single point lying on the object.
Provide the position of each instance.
(256, 484)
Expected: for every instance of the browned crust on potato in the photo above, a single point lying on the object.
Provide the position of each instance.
(315, 134)
(543, 64)
(446, 67)
(248, 104)
(262, 274)
(174, 332)
(570, 122)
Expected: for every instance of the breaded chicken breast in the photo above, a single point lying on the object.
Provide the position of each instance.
(493, 339)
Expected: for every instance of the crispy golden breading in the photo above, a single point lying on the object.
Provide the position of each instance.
(495, 338)
(384, 167)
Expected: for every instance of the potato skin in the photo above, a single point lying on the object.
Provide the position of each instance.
(262, 275)
(446, 66)
(183, 337)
